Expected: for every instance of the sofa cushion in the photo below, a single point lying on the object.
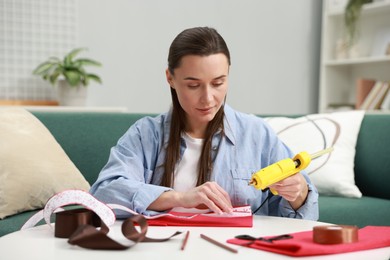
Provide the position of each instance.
(332, 174)
(15, 222)
(372, 160)
(361, 212)
(87, 137)
(33, 165)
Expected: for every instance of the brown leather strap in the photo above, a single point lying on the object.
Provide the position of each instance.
(68, 221)
(335, 234)
(79, 225)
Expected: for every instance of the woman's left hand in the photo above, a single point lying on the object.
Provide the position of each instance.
(294, 189)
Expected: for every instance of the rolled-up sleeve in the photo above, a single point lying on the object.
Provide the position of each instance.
(309, 210)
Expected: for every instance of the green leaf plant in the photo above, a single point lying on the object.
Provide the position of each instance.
(69, 68)
(351, 17)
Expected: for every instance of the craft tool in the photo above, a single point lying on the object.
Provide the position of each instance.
(215, 242)
(183, 245)
(283, 169)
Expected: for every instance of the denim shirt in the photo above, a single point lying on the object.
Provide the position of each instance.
(134, 169)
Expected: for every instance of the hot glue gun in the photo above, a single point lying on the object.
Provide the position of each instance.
(283, 169)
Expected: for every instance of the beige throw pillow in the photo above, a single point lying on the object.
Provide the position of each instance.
(33, 166)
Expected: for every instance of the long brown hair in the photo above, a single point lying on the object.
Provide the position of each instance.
(202, 41)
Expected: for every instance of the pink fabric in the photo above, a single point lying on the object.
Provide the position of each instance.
(302, 244)
(201, 220)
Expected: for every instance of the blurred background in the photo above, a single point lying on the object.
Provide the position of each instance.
(275, 49)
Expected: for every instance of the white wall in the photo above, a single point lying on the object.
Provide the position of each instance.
(274, 47)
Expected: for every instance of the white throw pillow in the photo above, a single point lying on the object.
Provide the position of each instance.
(332, 174)
(33, 166)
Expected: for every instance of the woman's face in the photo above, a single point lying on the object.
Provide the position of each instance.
(201, 83)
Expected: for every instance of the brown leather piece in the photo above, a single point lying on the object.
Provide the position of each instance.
(80, 226)
(335, 234)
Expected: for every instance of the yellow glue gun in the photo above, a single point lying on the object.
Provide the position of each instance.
(283, 169)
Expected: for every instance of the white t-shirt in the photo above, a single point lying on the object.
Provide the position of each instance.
(186, 172)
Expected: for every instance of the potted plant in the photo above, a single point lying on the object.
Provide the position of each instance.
(351, 18)
(70, 76)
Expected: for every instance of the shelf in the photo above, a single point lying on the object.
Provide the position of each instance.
(357, 61)
(371, 112)
(76, 109)
(372, 8)
(53, 106)
(28, 103)
(338, 77)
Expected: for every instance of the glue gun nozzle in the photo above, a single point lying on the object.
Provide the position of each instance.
(252, 182)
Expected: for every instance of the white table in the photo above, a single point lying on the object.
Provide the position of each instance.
(39, 243)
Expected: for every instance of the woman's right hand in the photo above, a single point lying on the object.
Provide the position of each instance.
(209, 195)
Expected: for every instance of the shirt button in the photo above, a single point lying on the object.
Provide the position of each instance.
(214, 148)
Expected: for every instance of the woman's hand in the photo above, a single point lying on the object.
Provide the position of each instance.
(209, 195)
(294, 189)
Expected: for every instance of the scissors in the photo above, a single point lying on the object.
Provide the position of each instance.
(268, 240)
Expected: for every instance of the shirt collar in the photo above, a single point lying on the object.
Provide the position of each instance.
(167, 126)
(228, 122)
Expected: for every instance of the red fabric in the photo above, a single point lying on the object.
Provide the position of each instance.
(302, 244)
(201, 220)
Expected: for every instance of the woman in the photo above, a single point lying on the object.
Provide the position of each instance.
(201, 153)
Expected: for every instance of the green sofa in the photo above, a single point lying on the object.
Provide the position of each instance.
(87, 138)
